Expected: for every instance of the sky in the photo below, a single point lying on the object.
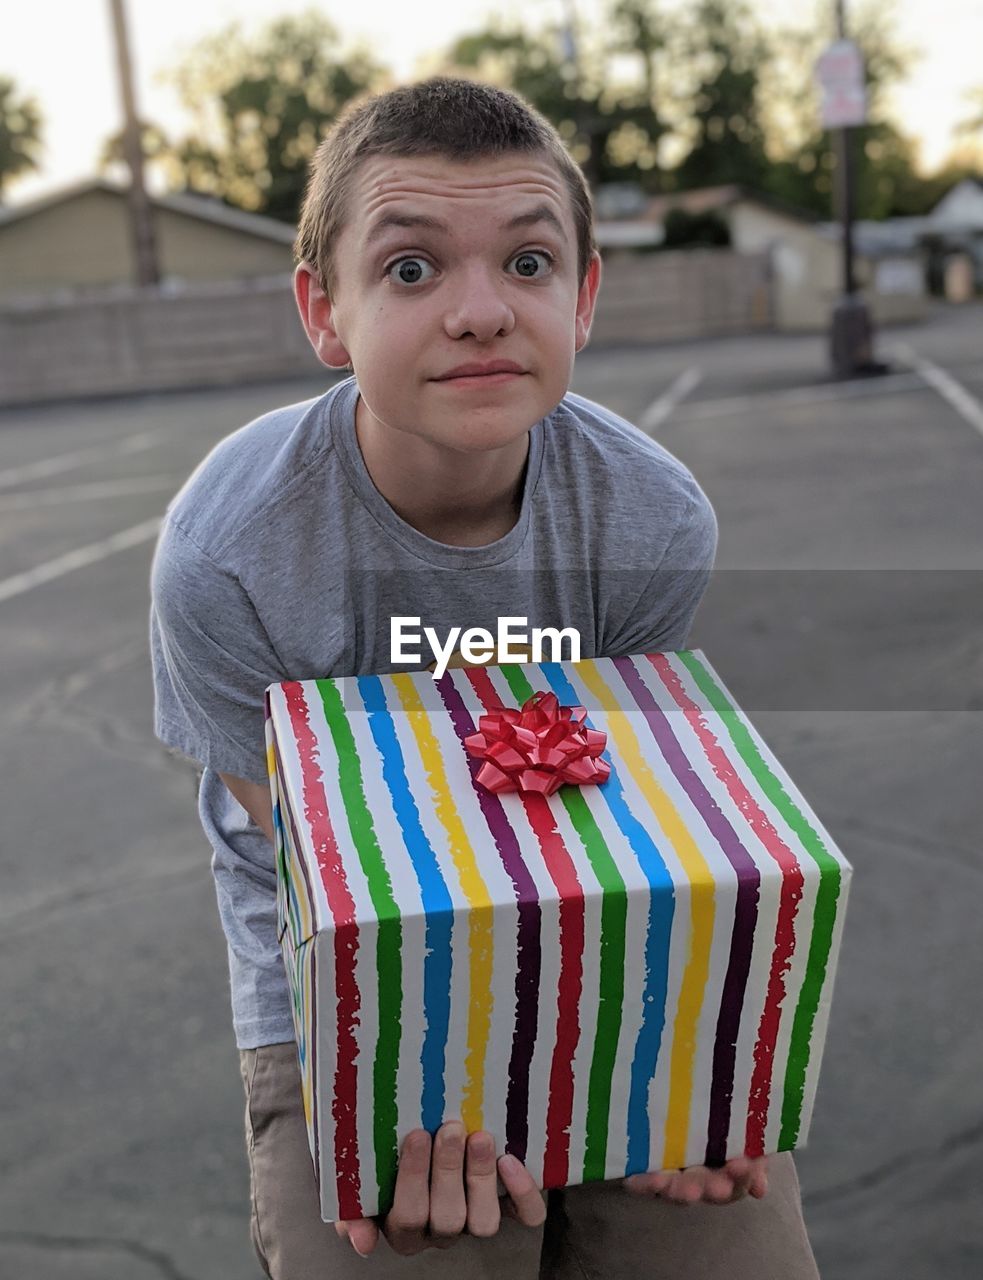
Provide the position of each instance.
(61, 52)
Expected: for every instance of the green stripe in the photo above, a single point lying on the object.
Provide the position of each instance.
(614, 909)
(388, 945)
(827, 897)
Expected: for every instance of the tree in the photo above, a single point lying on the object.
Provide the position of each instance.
(683, 230)
(611, 132)
(640, 29)
(949, 174)
(158, 152)
(973, 124)
(887, 181)
(967, 153)
(20, 134)
(261, 107)
(724, 52)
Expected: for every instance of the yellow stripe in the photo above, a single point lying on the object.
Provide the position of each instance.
(702, 912)
(298, 881)
(292, 857)
(481, 915)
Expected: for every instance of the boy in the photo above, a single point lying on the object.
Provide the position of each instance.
(446, 252)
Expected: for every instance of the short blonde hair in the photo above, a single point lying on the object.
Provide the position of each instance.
(455, 118)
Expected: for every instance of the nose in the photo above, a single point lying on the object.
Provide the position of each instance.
(479, 306)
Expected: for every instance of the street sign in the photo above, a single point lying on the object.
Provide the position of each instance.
(840, 72)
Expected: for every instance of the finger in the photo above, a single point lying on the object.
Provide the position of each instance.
(406, 1223)
(647, 1184)
(720, 1188)
(448, 1203)
(741, 1172)
(362, 1233)
(481, 1179)
(525, 1196)
(672, 1186)
(685, 1186)
(758, 1176)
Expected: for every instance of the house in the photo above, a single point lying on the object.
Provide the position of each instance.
(804, 253)
(78, 239)
(950, 240)
(961, 208)
(953, 238)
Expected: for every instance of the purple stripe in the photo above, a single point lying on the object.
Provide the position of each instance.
(529, 952)
(745, 912)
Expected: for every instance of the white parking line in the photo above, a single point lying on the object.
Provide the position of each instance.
(660, 409)
(79, 558)
(721, 406)
(77, 458)
(54, 694)
(86, 492)
(953, 392)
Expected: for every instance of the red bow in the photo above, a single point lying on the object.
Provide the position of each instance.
(538, 748)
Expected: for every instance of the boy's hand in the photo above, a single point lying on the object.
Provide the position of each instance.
(744, 1175)
(439, 1199)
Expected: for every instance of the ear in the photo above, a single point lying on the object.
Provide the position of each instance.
(586, 299)
(316, 309)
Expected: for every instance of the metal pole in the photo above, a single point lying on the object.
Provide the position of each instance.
(141, 214)
(851, 333)
(844, 186)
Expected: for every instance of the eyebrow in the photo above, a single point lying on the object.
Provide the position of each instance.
(542, 213)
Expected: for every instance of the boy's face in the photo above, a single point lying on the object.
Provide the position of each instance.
(414, 302)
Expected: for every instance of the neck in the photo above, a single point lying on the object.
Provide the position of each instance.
(461, 499)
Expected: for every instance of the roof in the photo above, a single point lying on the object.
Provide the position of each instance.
(204, 208)
(705, 199)
(880, 239)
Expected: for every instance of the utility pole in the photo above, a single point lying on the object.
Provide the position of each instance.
(570, 40)
(141, 215)
(586, 125)
(841, 73)
(845, 178)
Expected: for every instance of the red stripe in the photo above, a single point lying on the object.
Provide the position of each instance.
(563, 873)
(789, 898)
(344, 1104)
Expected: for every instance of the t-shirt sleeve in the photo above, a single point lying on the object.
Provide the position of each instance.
(212, 660)
(664, 611)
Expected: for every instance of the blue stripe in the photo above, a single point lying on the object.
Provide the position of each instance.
(662, 901)
(291, 855)
(437, 904)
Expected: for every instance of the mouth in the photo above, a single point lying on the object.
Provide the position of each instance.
(479, 380)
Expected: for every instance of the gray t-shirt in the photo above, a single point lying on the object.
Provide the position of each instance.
(280, 560)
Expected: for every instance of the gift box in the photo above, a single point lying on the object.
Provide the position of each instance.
(613, 975)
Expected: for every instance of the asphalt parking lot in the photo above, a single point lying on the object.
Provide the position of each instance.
(846, 615)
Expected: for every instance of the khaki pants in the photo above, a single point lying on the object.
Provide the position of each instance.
(592, 1232)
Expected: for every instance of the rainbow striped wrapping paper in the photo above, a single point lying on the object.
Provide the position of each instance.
(621, 977)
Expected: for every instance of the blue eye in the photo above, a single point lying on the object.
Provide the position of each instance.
(410, 268)
(414, 265)
(532, 253)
